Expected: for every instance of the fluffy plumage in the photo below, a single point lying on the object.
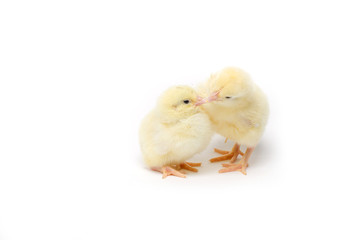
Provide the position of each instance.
(238, 110)
(174, 131)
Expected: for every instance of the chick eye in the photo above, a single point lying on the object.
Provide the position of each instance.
(227, 97)
(186, 101)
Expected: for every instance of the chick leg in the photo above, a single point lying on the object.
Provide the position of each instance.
(241, 166)
(232, 155)
(168, 171)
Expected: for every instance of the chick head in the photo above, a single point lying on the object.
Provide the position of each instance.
(178, 103)
(229, 85)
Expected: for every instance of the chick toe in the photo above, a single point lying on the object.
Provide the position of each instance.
(168, 171)
(190, 166)
(241, 167)
(220, 151)
(222, 158)
(198, 164)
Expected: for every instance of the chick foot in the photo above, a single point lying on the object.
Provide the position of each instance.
(177, 170)
(232, 155)
(241, 166)
(168, 171)
(231, 167)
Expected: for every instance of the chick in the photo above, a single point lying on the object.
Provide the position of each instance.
(238, 110)
(174, 131)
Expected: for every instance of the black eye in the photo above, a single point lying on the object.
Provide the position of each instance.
(186, 101)
(228, 97)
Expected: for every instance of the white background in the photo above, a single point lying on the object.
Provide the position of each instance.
(77, 77)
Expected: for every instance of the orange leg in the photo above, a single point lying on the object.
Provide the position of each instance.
(232, 155)
(241, 166)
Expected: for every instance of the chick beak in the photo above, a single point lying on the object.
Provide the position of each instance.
(200, 101)
(213, 97)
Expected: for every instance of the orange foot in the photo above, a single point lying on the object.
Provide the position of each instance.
(232, 155)
(170, 170)
(231, 167)
(241, 166)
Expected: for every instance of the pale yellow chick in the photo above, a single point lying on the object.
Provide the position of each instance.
(238, 110)
(174, 131)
